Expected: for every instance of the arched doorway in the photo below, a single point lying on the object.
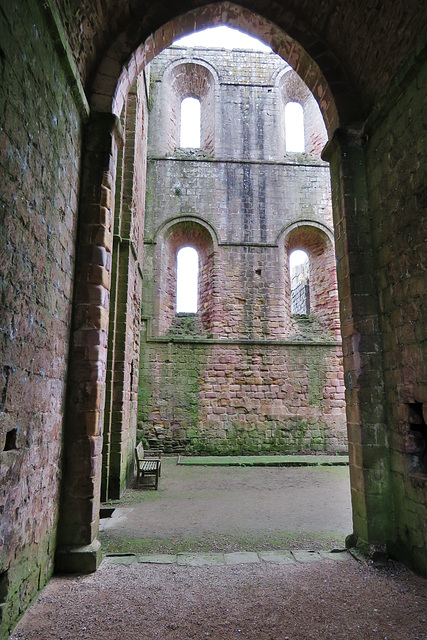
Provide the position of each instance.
(78, 546)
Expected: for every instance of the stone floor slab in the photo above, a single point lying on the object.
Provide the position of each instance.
(278, 557)
(336, 556)
(157, 558)
(303, 555)
(200, 559)
(241, 557)
(125, 560)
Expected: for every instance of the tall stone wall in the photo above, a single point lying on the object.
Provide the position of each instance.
(242, 398)
(358, 50)
(40, 131)
(397, 180)
(243, 374)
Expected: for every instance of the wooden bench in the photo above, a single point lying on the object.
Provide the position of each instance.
(148, 463)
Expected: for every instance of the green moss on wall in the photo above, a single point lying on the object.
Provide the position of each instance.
(22, 582)
(193, 401)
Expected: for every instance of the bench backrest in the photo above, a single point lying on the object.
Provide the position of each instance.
(139, 452)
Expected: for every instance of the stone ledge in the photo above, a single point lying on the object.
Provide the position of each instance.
(308, 162)
(246, 341)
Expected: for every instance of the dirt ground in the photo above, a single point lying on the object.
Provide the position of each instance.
(234, 508)
(200, 509)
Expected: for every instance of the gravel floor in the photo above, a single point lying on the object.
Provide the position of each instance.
(229, 509)
(317, 601)
(226, 510)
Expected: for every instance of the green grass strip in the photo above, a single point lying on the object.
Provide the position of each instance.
(264, 461)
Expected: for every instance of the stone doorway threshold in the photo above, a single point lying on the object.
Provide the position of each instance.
(237, 557)
(265, 461)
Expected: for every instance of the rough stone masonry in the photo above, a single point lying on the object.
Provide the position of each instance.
(72, 259)
(244, 374)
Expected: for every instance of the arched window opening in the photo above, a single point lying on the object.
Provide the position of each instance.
(187, 279)
(294, 127)
(299, 266)
(190, 123)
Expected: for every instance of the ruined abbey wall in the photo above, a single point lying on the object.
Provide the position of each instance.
(398, 192)
(66, 62)
(40, 142)
(244, 374)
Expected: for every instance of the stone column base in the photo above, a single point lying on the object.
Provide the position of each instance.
(79, 559)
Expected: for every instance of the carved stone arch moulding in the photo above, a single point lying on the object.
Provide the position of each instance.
(136, 46)
(287, 230)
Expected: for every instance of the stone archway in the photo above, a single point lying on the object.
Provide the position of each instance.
(78, 545)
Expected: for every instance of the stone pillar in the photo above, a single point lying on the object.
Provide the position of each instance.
(78, 549)
(363, 365)
(125, 313)
(118, 392)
